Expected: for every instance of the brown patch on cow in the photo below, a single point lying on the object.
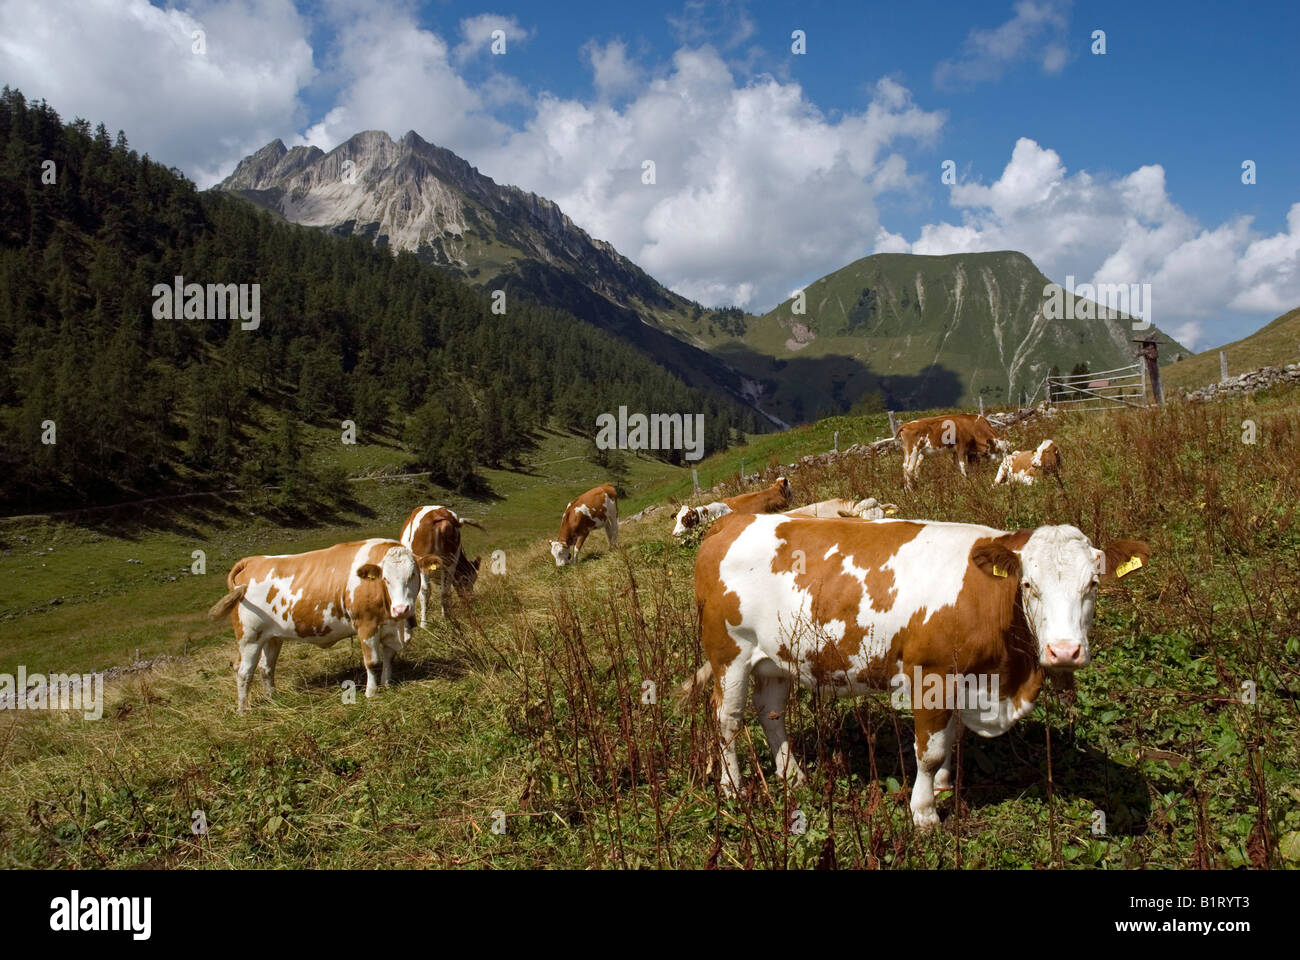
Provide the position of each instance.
(272, 594)
(716, 606)
(835, 593)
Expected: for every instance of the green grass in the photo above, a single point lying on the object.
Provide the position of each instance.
(533, 703)
(1276, 344)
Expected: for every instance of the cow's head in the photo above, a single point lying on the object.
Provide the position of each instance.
(563, 554)
(398, 576)
(467, 574)
(1048, 457)
(1059, 570)
(783, 486)
(687, 517)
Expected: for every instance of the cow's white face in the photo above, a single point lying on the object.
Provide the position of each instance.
(683, 523)
(1059, 573)
(563, 555)
(402, 581)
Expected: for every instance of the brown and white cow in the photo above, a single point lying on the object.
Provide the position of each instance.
(1025, 466)
(967, 436)
(435, 530)
(363, 589)
(868, 509)
(770, 499)
(596, 508)
(849, 606)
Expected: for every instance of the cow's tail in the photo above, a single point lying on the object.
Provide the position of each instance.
(692, 687)
(473, 523)
(227, 603)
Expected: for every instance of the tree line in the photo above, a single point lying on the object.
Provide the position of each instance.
(100, 398)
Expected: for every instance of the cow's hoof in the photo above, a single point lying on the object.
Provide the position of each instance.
(925, 820)
(943, 780)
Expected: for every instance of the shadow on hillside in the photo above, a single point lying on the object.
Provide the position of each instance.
(996, 769)
(799, 389)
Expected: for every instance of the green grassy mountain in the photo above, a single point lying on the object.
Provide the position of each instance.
(916, 331)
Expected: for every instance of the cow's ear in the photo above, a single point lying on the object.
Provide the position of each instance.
(1123, 557)
(996, 560)
(427, 563)
(369, 571)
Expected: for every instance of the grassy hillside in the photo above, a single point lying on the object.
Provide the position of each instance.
(1275, 344)
(531, 709)
(917, 331)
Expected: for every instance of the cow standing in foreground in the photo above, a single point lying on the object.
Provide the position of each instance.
(967, 436)
(770, 499)
(1025, 467)
(849, 606)
(598, 507)
(435, 531)
(363, 589)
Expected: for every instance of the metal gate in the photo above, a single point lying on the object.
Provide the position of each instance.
(1103, 390)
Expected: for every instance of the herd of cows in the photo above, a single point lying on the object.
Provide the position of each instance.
(838, 595)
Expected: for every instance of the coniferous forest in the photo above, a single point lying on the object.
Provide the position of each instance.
(137, 405)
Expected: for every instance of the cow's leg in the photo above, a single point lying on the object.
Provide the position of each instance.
(943, 779)
(932, 746)
(960, 457)
(250, 652)
(771, 693)
(370, 655)
(578, 541)
(422, 600)
(611, 523)
(387, 653)
(448, 574)
(730, 699)
(270, 653)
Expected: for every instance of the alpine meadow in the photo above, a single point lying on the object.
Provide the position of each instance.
(585, 440)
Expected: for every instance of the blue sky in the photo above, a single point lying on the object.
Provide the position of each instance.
(772, 168)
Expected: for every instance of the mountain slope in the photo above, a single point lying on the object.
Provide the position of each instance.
(412, 195)
(1272, 345)
(919, 331)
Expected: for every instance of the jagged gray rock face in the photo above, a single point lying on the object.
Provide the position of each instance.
(414, 195)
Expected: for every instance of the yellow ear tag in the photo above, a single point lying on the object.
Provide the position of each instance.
(1128, 566)
(998, 571)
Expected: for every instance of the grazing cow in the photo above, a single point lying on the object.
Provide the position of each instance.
(849, 606)
(598, 507)
(968, 437)
(868, 509)
(770, 499)
(363, 589)
(1025, 467)
(435, 530)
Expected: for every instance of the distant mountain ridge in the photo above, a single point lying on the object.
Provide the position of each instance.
(922, 331)
(412, 195)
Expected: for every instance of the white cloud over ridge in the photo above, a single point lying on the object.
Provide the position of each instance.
(1121, 230)
(757, 190)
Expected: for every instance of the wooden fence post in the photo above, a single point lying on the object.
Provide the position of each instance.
(1149, 350)
(893, 426)
(1223, 365)
(981, 404)
(837, 441)
(695, 481)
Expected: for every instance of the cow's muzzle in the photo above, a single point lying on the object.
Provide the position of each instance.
(1065, 653)
(401, 610)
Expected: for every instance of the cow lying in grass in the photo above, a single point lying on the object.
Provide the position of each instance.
(868, 509)
(364, 589)
(1025, 466)
(770, 499)
(849, 606)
